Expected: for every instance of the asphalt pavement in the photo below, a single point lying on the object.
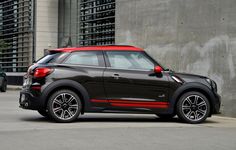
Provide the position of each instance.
(27, 130)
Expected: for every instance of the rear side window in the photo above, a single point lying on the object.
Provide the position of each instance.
(88, 58)
(50, 58)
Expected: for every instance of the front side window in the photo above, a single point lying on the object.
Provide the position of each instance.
(129, 60)
(84, 58)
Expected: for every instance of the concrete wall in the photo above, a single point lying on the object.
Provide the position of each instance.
(46, 26)
(194, 36)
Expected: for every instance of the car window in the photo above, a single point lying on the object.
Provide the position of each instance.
(84, 58)
(129, 60)
(50, 58)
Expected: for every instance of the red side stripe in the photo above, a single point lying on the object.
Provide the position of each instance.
(139, 102)
(139, 105)
(130, 103)
(99, 101)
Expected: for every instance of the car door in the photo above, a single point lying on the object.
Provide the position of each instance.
(87, 68)
(130, 81)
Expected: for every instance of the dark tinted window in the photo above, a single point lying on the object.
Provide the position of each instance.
(90, 58)
(50, 58)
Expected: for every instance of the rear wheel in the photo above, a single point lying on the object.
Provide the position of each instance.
(4, 86)
(64, 106)
(193, 107)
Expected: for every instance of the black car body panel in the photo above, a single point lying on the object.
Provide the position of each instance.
(103, 88)
(3, 80)
(2, 77)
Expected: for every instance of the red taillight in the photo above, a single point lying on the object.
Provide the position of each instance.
(36, 88)
(42, 72)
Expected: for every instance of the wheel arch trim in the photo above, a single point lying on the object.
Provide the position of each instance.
(192, 86)
(66, 84)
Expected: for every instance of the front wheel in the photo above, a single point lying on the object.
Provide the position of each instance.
(64, 106)
(193, 107)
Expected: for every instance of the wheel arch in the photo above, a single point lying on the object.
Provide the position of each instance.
(197, 87)
(69, 85)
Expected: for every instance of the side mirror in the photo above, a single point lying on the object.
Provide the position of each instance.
(158, 69)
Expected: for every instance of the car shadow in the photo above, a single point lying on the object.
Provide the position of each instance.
(127, 119)
(116, 119)
(121, 119)
(136, 120)
(35, 119)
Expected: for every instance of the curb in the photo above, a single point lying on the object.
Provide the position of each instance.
(14, 88)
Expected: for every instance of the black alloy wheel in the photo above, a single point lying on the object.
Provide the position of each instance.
(64, 106)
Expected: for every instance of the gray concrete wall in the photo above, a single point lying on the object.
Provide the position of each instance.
(194, 36)
(46, 26)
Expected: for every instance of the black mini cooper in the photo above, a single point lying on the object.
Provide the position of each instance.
(123, 79)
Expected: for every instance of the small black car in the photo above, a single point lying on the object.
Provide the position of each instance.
(123, 79)
(3, 81)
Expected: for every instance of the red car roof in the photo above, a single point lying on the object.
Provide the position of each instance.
(96, 48)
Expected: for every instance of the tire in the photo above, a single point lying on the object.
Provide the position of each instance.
(193, 107)
(64, 106)
(166, 116)
(43, 113)
(4, 86)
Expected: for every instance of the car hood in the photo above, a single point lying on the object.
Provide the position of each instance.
(186, 77)
(189, 76)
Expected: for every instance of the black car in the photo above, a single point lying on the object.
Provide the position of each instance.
(120, 79)
(3, 81)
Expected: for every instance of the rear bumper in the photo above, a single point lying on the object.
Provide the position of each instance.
(29, 101)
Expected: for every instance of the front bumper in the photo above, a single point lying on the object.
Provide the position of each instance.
(29, 101)
(217, 104)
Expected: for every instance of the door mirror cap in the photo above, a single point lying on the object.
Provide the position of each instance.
(158, 69)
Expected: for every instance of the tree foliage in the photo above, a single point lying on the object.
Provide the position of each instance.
(3, 45)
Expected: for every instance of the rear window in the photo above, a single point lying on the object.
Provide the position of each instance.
(49, 58)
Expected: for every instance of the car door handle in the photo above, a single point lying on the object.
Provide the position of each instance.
(116, 76)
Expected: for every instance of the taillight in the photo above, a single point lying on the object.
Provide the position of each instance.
(42, 72)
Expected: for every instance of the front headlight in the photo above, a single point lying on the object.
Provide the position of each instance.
(212, 84)
(208, 80)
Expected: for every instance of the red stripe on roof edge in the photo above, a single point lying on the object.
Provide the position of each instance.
(104, 48)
